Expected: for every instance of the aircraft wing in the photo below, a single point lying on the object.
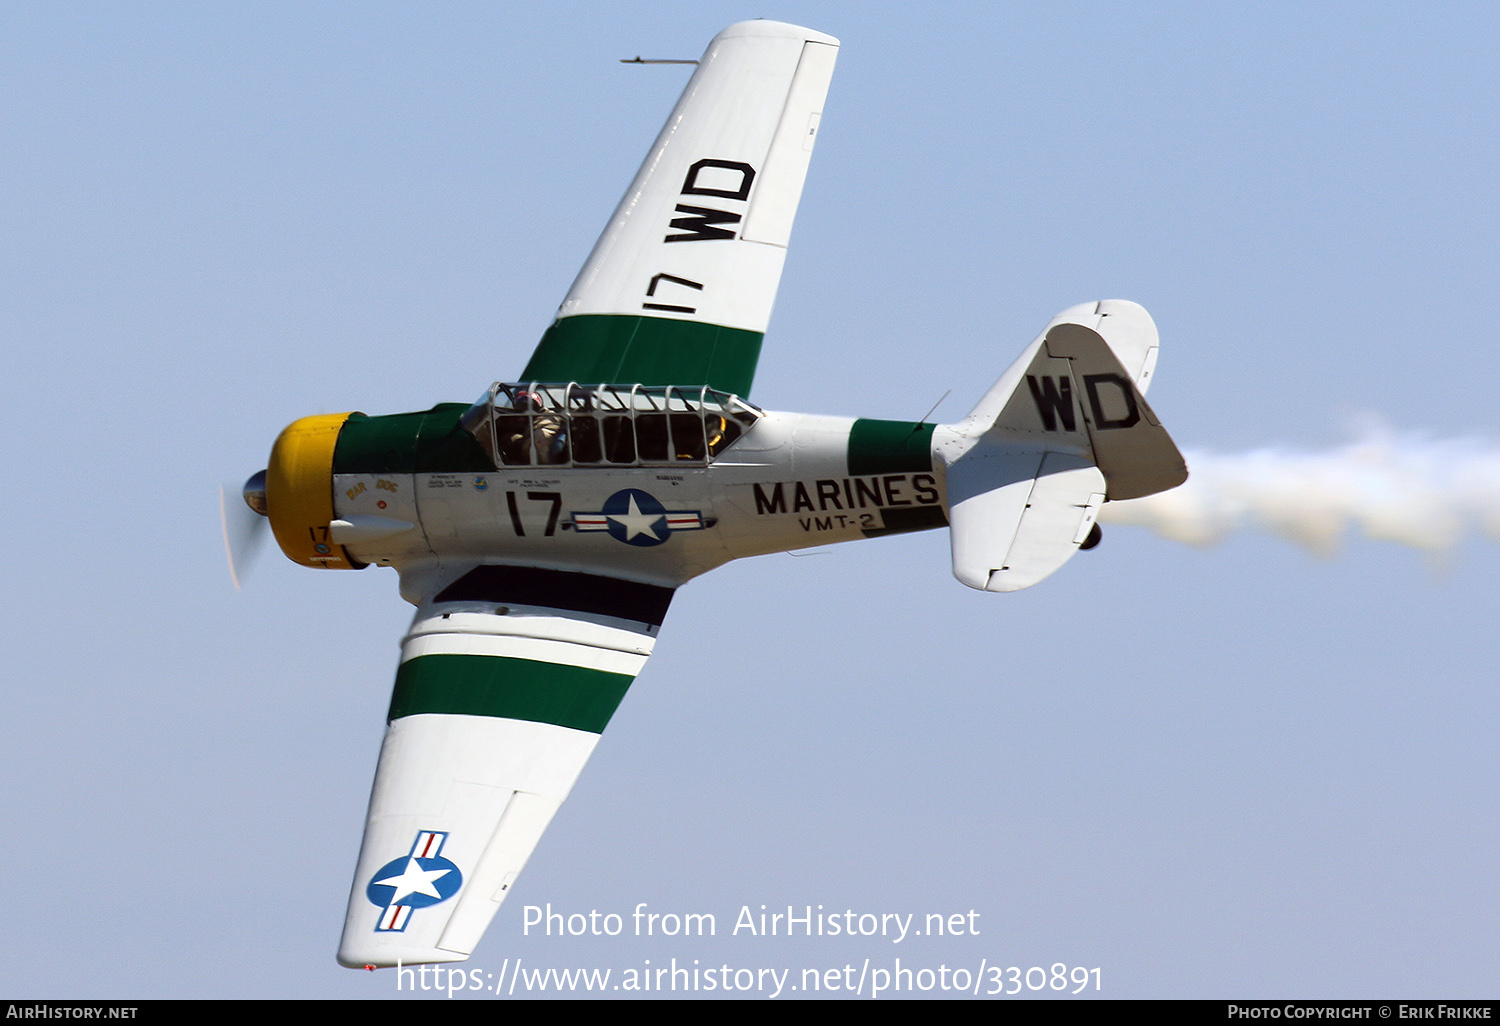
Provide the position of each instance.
(507, 677)
(679, 288)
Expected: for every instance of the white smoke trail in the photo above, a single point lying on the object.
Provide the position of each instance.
(1403, 488)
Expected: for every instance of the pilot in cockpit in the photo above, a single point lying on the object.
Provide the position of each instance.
(544, 429)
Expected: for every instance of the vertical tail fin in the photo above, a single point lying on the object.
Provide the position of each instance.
(1064, 429)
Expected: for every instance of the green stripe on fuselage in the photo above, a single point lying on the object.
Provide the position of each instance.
(889, 447)
(615, 349)
(518, 689)
(429, 442)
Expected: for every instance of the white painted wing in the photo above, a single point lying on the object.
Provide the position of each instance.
(492, 719)
(730, 160)
(679, 288)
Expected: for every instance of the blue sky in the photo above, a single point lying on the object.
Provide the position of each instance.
(1237, 770)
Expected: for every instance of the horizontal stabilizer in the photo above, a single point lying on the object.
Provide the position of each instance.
(1010, 537)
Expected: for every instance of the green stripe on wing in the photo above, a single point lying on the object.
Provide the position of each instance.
(517, 689)
(616, 349)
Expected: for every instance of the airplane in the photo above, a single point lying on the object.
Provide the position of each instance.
(542, 530)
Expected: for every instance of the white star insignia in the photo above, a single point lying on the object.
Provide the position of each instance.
(413, 880)
(635, 522)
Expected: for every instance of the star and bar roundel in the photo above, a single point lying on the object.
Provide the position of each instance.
(418, 879)
(637, 518)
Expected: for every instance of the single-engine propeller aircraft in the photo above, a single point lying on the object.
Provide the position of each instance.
(542, 530)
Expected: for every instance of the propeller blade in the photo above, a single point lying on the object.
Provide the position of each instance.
(244, 533)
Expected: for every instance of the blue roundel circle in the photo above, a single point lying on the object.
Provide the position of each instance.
(414, 882)
(636, 518)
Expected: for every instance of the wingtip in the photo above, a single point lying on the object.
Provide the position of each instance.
(776, 29)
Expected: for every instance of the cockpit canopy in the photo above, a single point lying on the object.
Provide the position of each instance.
(534, 424)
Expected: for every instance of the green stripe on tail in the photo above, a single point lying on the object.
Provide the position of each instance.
(889, 447)
(895, 447)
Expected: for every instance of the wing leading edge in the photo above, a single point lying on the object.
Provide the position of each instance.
(507, 678)
(679, 288)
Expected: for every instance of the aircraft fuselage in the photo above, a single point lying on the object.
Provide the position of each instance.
(791, 481)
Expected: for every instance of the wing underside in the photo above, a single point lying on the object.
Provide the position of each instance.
(499, 700)
(509, 674)
(679, 287)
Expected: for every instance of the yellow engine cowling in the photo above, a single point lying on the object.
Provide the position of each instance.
(299, 492)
